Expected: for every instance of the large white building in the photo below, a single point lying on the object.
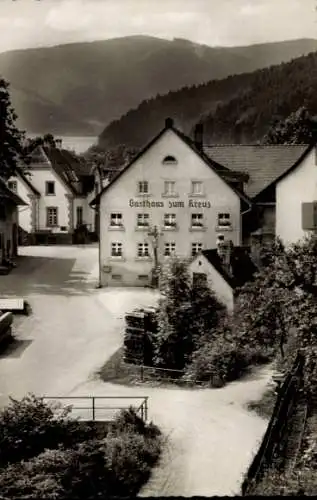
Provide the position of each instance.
(57, 191)
(170, 199)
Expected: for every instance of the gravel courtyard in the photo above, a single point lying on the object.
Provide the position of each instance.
(74, 328)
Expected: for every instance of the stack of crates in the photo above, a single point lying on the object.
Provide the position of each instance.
(141, 326)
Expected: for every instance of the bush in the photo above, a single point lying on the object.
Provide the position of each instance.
(115, 466)
(130, 457)
(78, 473)
(223, 361)
(294, 483)
(55, 458)
(29, 426)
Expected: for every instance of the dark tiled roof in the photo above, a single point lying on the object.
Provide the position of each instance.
(60, 165)
(264, 164)
(242, 266)
(80, 167)
(67, 166)
(7, 194)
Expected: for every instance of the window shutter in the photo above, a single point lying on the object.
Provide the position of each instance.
(309, 216)
(315, 214)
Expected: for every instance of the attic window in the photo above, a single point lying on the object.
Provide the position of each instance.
(170, 160)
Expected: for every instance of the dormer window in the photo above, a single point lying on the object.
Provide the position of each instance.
(170, 160)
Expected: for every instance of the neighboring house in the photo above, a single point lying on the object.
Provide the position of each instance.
(58, 188)
(224, 271)
(170, 199)
(263, 164)
(9, 222)
(21, 185)
(295, 195)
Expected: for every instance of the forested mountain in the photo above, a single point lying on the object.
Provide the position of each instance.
(78, 89)
(237, 109)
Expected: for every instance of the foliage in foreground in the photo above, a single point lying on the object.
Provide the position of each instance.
(297, 482)
(79, 464)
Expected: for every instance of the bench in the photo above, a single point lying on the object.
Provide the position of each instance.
(6, 321)
(15, 305)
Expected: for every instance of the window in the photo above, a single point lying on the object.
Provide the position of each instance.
(116, 220)
(224, 220)
(13, 185)
(169, 188)
(196, 248)
(170, 160)
(50, 188)
(116, 249)
(199, 279)
(169, 220)
(116, 277)
(309, 216)
(79, 216)
(143, 277)
(143, 250)
(197, 187)
(197, 220)
(51, 216)
(143, 187)
(169, 248)
(143, 220)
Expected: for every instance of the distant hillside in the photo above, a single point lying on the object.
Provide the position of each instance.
(78, 89)
(238, 109)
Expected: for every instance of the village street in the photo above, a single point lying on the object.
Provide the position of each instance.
(74, 328)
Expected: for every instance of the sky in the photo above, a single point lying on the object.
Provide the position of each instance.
(34, 23)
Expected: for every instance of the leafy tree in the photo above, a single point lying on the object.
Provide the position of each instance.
(10, 136)
(187, 315)
(174, 342)
(297, 128)
(108, 161)
(206, 313)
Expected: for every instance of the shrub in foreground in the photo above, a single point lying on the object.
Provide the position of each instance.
(115, 466)
(294, 483)
(29, 426)
(63, 459)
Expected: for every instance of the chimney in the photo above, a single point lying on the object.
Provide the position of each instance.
(169, 122)
(199, 136)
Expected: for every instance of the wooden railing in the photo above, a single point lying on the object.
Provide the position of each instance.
(286, 399)
(95, 408)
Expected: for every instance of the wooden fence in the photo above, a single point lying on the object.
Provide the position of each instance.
(287, 397)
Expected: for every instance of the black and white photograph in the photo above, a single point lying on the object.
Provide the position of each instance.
(158, 248)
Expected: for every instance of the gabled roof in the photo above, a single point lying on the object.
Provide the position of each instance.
(214, 165)
(294, 166)
(242, 266)
(28, 182)
(61, 167)
(264, 163)
(65, 164)
(7, 195)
